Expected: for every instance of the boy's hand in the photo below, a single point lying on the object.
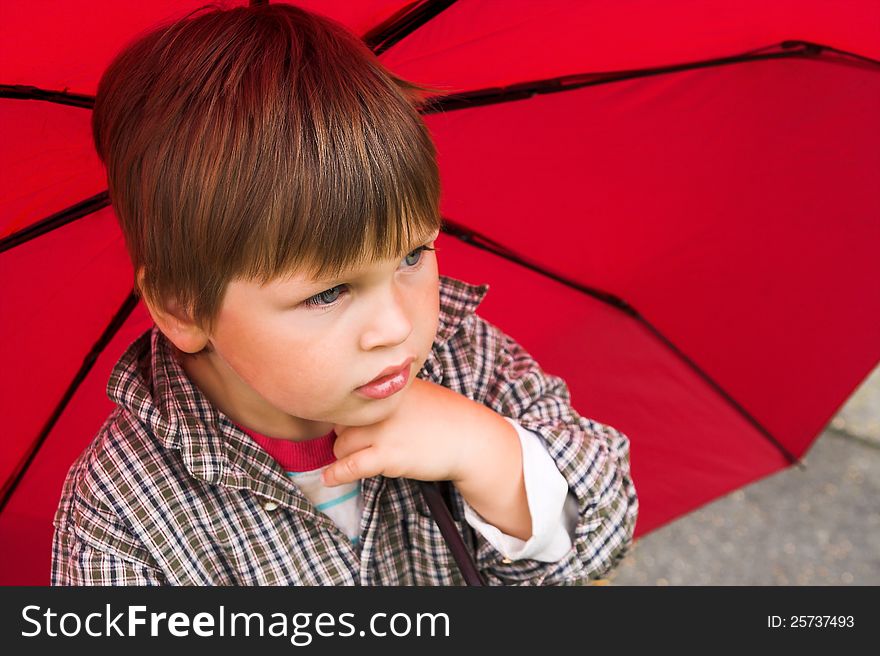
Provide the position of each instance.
(435, 434)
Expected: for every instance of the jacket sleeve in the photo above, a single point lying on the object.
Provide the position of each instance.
(91, 545)
(592, 457)
(75, 562)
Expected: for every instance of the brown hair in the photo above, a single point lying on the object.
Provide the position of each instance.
(255, 142)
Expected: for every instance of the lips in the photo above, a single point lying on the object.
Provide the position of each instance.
(390, 372)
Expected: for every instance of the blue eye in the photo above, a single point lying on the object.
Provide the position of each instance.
(418, 253)
(328, 297)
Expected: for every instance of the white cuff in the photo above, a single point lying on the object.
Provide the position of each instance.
(552, 506)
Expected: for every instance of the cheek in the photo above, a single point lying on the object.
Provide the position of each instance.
(309, 372)
(430, 310)
(277, 364)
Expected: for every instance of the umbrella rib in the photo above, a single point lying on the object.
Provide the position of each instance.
(478, 240)
(25, 92)
(525, 90)
(13, 480)
(401, 24)
(57, 220)
(495, 95)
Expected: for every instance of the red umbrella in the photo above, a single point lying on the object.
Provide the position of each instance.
(675, 205)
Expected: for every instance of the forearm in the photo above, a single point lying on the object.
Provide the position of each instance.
(493, 482)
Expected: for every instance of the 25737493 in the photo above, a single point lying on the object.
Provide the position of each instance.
(810, 621)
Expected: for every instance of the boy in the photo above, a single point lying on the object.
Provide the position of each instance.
(279, 197)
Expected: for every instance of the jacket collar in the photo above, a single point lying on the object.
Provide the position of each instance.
(150, 383)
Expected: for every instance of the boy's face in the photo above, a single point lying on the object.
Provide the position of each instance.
(288, 356)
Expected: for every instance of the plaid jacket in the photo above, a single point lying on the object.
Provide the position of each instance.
(171, 492)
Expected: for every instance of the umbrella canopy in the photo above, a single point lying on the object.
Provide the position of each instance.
(674, 204)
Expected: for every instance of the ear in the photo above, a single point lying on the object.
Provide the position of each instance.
(174, 322)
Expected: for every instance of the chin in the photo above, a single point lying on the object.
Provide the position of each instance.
(376, 410)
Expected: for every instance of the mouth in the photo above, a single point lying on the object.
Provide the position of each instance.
(391, 371)
(388, 382)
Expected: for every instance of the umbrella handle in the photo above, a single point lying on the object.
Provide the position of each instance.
(437, 505)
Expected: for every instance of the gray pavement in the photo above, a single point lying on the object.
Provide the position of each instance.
(818, 526)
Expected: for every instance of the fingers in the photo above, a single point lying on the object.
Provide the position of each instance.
(351, 441)
(364, 463)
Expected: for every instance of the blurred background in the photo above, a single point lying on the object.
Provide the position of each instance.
(816, 526)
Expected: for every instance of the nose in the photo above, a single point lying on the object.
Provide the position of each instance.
(389, 323)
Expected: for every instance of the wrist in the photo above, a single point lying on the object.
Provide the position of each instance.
(491, 451)
(493, 482)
